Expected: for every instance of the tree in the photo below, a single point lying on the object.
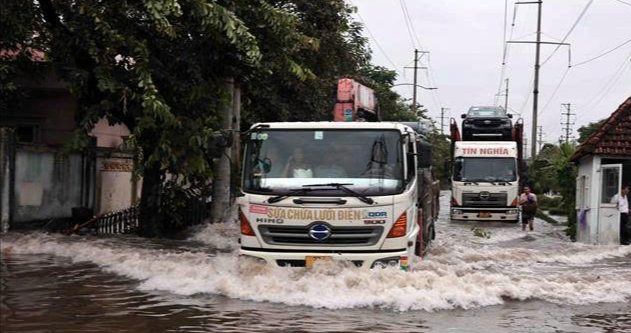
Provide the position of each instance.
(541, 176)
(391, 105)
(158, 66)
(586, 130)
(339, 50)
(565, 172)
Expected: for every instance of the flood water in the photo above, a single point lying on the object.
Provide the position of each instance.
(513, 281)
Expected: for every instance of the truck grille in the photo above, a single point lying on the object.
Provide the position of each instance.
(484, 200)
(340, 236)
(490, 123)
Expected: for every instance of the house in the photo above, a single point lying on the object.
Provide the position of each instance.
(40, 180)
(604, 164)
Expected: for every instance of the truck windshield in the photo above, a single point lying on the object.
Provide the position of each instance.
(368, 162)
(485, 169)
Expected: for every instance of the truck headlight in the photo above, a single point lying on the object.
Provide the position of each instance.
(456, 211)
(513, 212)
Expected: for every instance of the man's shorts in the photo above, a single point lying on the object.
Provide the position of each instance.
(526, 217)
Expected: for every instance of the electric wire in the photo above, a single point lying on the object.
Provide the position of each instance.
(606, 88)
(623, 2)
(407, 24)
(407, 13)
(554, 92)
(578, 19)
(431, 80)
(602, 54)
(505, 53)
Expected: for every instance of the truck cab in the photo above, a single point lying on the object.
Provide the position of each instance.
(485, 181)
(333, 191)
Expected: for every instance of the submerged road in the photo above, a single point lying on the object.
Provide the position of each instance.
(512, 281)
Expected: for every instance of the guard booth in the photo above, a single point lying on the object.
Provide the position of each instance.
(604, 165)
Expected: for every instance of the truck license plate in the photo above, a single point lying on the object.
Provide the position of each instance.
(310, 260)
(484, 215)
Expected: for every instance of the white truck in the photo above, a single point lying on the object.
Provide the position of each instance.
(354, 191)
(485, 181)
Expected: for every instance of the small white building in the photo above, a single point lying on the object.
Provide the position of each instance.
(604, 165)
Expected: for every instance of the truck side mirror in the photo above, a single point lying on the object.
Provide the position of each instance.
(510, 115)
(463, 116)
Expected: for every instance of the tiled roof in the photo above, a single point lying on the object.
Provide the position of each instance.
(613, 137)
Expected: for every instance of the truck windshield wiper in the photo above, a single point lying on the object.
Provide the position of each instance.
(289, 194)
(342, 186)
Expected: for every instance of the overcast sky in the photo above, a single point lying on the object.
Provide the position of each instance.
(465, 39)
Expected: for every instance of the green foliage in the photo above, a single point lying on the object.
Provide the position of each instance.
(546, 203)
(176, 202)
(586, 130)
(482, 233)
(559, 211)
(543, 216)
(552, 170)
(19, 45)
(541, 174)
(335, 48)
(441, 153)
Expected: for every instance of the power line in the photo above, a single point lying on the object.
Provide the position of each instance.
(603, 54)
(407, 11)
(506, 51)
(578, 19)
(430, 72)
(607, 87)
(407, 23)
(377, 43)
(626, 3)
(555, 91)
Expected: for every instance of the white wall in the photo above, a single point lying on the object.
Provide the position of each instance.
(47, 185)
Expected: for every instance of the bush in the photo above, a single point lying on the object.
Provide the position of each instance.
(548, 203)
(557, 211)
(541, 215)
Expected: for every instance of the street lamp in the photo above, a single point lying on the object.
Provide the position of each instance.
(412, 84)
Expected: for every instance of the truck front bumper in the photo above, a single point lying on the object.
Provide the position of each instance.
(298, 259)
(485, 214)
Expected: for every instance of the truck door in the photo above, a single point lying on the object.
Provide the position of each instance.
(608, 214)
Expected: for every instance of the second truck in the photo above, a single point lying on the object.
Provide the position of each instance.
(486, 176)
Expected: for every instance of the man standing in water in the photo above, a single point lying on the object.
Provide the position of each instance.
(528, 203)
(622, 201)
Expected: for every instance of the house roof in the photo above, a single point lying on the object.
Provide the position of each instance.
(612, 138)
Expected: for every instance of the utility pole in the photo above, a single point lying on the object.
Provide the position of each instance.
(567, 124)
(525, 148)
(442, 120)
(535, 91)
(540, 139)
(414, 86)
(221, 166)
(505, 95)
(416, 68)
